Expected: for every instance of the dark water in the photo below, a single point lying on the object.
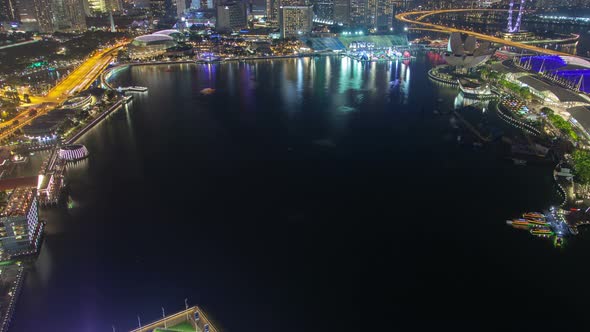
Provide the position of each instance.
(303, 195)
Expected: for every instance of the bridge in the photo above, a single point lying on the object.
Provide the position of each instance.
(78, 80)
(191, 319)
(416, 17)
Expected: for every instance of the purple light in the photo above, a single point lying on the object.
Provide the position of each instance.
(543, 62)
(576, 77)
(516, 27)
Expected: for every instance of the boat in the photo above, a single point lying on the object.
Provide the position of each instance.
(538, 223)
(558, 241)
(541, 232)
(519, 162)
(137, 88)
(534, 215)
(207, 91)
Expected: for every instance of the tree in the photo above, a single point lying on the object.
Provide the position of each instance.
(547, 111)
(582, 168)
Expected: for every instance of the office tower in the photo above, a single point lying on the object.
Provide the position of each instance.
(201, 4)
(74, 12)
(358, 12)
(27, 16)
(323, 9)
(163, 8)
(231, 16)
(104, 6)
(295, 20)
(342, 11)
(44, 15)
(272, 10)
(9, 11)
(181, 7)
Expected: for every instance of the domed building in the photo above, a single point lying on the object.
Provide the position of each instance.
(175, 34)
(149, 46)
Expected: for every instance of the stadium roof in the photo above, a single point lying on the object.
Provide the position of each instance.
(153, 38)
(166, 32)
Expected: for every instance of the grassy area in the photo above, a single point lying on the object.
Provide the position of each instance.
(6, 263)
(523, 92)
(565, 126)
(182, 327)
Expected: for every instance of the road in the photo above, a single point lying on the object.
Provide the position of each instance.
(78, 80)
(415, 17)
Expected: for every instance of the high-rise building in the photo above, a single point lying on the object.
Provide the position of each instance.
(9, 11)
(323, 9)
(202, 4)
(358, 12)
(44, 15)
(181, 7)
(20, 230)
(231, 16)
(342, 11)
(163, 8)
(75, 15)
(295, 20)
(104, 6)
(272, 10)
(27, 16)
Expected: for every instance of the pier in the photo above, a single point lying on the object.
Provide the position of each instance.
(191, 319)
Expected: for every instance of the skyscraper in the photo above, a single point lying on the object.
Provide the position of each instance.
(295, 20)
(358, 12)
(323, 9)
(104, 6)
(44, 15)
(272, 10)
(74, 13)
(9, 11)
(231, 16)
(342, 11)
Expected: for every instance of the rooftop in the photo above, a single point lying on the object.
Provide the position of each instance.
(564, 95)
(19, 201)
(582, 115)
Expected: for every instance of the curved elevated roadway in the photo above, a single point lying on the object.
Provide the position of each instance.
(415, 17)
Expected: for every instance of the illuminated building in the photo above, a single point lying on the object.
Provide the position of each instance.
(20, 230)
(69, 15)
(231, 16)
(103, 6)
(323, 10)
(295, 20)
(358, 12)
(202, 4)
(149, 46)
(272, 10)
(464, 53)
(73, 152)
(44, 15)
(342, 11)
(8, 11)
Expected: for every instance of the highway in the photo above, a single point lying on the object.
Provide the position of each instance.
(415, 17)
(78, 80)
